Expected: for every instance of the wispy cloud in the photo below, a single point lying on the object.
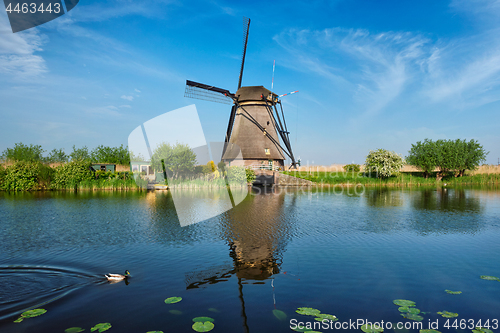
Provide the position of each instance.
(17, 51)
(375, 67)
(128, 98)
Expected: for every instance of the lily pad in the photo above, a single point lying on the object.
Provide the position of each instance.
(308, 311)
(30, 314)
(323, 316)
(172, 300)
(489, 277)
(429, 331)
(175, 312)
(453, 292)
(403, 309)
(403, 302)
(371, 329)
(203, 319)
(447, 314)
(279, 314)
(101, 327)
(413, 310)
(203, 326)
(74, 330)
(482, 330)
(412, 316)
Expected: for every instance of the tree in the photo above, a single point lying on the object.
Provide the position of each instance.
(21, 152)
(383, 163)
(116, 155)
(80, 154)
(423, 155)
(57, 156)
(447, 156)
(177, 160)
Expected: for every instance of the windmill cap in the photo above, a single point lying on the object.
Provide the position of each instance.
(253, 93)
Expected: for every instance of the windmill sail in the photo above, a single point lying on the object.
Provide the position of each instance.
(207, 93)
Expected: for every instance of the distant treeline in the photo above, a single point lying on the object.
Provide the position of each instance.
(35, 153)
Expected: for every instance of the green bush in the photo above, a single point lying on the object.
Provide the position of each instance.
(2, 176)
(250, 175)
(352, 167)
(236, 174)
(383, 163)
(70, 174)
(21, 176)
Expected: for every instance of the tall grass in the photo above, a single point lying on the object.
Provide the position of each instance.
(403, 179)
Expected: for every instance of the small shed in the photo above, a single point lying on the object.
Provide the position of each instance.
(104, 167)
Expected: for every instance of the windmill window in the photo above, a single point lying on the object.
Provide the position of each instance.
(267, 151)
(268, 123)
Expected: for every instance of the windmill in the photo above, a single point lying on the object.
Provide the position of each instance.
(256, 126)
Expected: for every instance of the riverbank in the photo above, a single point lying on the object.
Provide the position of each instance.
(403, 179)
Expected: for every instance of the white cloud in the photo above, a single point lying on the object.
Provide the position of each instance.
(128, 98)
(17, 51)
(137, 90)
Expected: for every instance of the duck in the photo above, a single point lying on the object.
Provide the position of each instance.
(117, 277)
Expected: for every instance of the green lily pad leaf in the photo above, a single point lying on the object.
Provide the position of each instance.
(74, 330)
(371, 329)
(403, 309)
(308, 311)
(453, 292)
(33, 313)
(447, 314)
(489, 277)
(482, 330)
(413, 310)
(429, 331)
(30, 314)
(172, 300)
(101, 327)
(403, 302)
(323, 316)
(412, 316)
(203, 319)
(279, 314)
(203, 326)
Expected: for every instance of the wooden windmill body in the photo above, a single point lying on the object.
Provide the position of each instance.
(256, 128)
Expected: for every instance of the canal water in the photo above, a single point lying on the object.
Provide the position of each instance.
(345, 252)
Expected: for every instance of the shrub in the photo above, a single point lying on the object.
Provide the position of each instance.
(237, 174)
(21, 176)
(72, 173)
(352, 167)
(383, 163)
(250, 175)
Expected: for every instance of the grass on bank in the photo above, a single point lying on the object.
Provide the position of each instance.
(403, 179)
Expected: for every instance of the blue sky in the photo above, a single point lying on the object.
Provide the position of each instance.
(370, 74)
